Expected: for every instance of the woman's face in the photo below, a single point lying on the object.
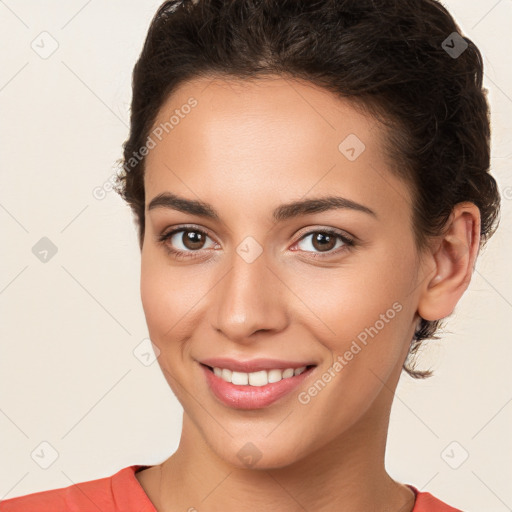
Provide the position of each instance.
(258, 280)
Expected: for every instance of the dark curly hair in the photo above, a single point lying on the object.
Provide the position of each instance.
(404, 62)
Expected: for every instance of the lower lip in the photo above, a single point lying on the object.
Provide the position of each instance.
(252, 397)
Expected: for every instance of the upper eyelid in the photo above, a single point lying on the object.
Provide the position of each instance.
(308, 231)
(178, 229)
(339, 232)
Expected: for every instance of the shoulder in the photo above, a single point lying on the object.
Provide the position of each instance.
(426, 502)
(120, 491)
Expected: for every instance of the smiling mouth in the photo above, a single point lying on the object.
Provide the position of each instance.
(257, 378)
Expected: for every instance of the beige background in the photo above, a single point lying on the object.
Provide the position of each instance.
(68, 373)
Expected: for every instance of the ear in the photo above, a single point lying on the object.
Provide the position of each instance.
(449, 267)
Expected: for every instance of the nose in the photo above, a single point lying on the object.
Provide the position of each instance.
(249, 298)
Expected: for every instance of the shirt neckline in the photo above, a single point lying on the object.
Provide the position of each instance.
(131, 470)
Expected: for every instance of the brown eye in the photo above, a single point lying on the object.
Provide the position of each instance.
(192, 240)
(324, 241)
(184, 242)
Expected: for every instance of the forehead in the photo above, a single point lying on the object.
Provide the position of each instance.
(269, 139)
(266, 108)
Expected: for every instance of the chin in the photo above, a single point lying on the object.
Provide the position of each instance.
(257, 452)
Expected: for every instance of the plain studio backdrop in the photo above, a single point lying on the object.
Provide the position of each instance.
(79, 399)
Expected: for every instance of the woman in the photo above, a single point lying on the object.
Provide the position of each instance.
(310, 182)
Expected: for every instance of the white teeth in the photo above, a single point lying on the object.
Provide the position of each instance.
(288, 373)
(260, 378)
(275, 375)
(225, 374)
(240, 378)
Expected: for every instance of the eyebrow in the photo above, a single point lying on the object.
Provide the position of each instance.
(280, 214)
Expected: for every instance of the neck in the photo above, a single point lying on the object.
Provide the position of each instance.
(347, 473)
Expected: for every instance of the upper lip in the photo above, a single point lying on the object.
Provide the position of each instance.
(253, 365)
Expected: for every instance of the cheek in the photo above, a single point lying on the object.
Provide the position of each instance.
(363, 310)
(159, 296)
(166, 318)
(343, 303)
(151, 289)
(170, 298)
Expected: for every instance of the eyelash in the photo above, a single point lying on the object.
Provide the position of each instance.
(183, 255)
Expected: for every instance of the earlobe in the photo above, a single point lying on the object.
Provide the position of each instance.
(454, 261)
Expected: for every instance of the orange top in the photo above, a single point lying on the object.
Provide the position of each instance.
(122, 492)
